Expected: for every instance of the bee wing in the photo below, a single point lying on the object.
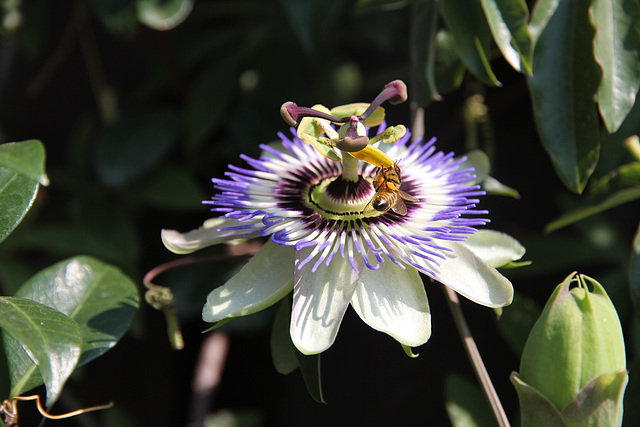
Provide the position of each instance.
(407, 196)
(369, 207)
(399, 207)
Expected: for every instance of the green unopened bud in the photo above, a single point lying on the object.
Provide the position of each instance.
(575, 347)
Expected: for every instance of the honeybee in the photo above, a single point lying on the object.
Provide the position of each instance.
(388, 194)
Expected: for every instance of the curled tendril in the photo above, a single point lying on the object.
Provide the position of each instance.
(9, 410)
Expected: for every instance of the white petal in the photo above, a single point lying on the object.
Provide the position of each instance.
(466, 273)
(495, 248)
(264, 280)
(393, 300)
(207, 235)
(320, 300)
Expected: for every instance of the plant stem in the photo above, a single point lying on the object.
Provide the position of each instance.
(207, 377)
(475, 358)
(349, 167)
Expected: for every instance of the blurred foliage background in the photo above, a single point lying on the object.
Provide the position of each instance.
(139, 103)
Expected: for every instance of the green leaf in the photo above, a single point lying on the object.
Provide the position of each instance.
(535, 409)
(472, 36)
(494, 187)
(423, 49)
(48, 340)
(449, 69)
(617, 45)
(21, 171)
(310, 368)
(634, 271)
(624, 176)
(616, 199)
(542, 13)
(283, 352)
(26, 158)
(599, 403)
(163, 14)
(465, 403)
(565, 80)
(508, 22)
(98, 296)
(134, 145)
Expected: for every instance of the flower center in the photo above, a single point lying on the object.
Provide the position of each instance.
(339, 198)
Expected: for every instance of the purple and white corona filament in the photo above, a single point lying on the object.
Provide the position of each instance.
(298, 198)
(333, 255)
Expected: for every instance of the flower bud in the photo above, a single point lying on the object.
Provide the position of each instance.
(576, 340)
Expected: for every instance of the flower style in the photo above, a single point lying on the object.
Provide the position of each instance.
(309, 196)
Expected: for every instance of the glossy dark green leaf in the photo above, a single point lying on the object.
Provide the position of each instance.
(599, 403)
(26, 158)
(542, 12)
(163, 14)
(565, 80)
(47, 340)
(283, 353)
(424, 26)
(449, 68)
(617, 49)
(535, 409)
(465, 403)
(134, 145)
(21, 172)
(634, 271)
(508, 22)
(472, 36)
(616, 199)
(98, 296)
